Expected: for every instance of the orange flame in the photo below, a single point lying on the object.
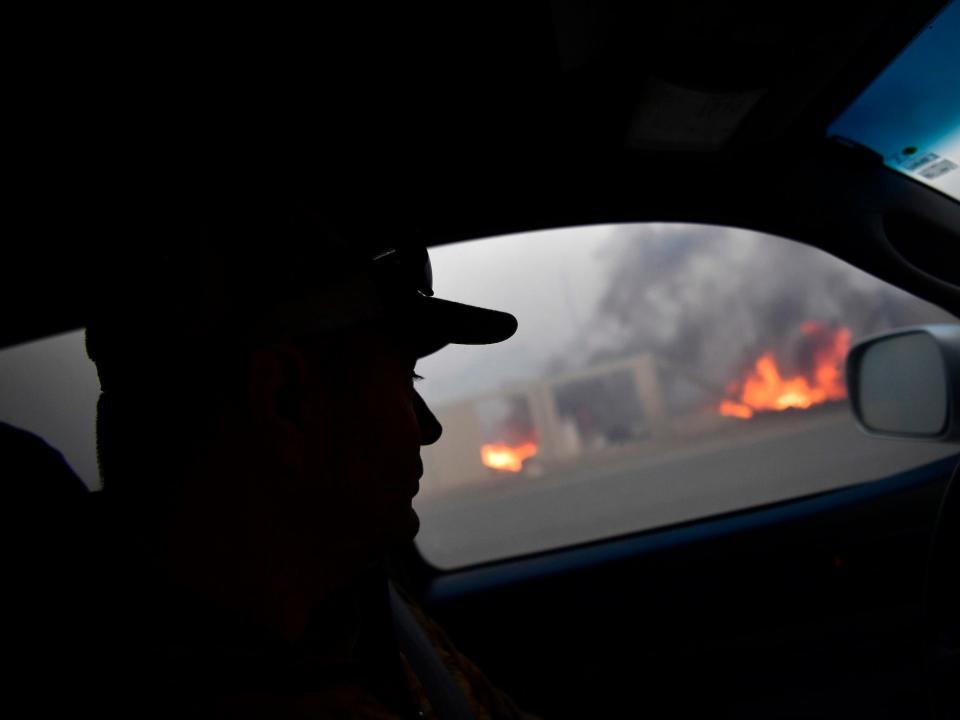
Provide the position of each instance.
(500, 456)
(765, 388)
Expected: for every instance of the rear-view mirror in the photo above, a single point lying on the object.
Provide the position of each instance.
(905, 383)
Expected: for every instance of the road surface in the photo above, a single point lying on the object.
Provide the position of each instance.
(767, 461)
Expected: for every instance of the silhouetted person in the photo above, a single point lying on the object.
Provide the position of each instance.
(258, 436)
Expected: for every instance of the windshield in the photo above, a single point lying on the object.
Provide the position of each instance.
(910, 114)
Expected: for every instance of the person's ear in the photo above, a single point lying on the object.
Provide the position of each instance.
(277, 394)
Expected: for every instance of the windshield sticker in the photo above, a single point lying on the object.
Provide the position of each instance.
(942, 167)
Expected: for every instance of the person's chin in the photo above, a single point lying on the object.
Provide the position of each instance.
(404, 526)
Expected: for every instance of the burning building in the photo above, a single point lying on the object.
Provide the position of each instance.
(545, 423)
(766, 387)
(628, 403)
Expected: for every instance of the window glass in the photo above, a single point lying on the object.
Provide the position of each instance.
(661, 373)
(50, 388)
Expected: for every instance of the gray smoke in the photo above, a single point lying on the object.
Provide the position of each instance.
(708, 301)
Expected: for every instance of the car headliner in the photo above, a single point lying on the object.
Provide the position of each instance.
(456, 123)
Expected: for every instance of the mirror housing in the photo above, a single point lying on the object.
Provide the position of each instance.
(906, 383)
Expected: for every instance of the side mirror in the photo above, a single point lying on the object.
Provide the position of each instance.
(906, 383)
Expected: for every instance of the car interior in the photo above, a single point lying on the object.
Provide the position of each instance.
(452, 123)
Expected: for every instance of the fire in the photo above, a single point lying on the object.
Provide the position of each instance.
(500, 456)
(765, 388)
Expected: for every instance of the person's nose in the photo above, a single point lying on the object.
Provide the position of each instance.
(430, 427)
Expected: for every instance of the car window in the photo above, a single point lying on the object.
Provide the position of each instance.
(661, 373)
(50, 388)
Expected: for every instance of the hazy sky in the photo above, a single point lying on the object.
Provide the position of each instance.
(710, 297)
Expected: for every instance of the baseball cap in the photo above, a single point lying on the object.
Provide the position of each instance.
(251, 280)
(393, 285)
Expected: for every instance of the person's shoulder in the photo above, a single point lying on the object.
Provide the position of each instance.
(485, 698)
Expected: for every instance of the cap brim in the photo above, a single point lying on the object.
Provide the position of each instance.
(443, 322)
